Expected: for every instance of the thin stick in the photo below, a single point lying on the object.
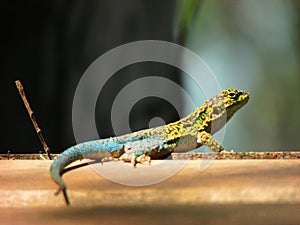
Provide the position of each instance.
(31, 115)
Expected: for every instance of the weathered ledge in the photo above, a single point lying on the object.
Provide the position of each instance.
(237, 155)
(185, 156)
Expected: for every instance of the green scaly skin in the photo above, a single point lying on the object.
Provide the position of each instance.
(186, 134)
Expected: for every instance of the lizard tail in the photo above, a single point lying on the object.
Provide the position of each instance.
(64, 159)
(98, 149)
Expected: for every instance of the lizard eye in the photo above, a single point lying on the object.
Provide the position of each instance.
(231, 94)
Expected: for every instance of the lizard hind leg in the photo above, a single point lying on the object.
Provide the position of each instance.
(134, 158)
(137, 151)
(142, 159)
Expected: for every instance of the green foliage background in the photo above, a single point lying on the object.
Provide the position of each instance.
(251, 45)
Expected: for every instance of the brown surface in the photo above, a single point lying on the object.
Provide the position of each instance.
(187, 155)
(238, 155)
(229, 191)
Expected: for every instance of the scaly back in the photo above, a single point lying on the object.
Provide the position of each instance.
(211, 116)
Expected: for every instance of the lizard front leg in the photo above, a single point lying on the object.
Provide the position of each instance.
(207, 139)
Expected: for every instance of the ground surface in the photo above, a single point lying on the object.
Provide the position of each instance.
(201, 192)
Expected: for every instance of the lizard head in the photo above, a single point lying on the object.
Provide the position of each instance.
(215, 112)
(234, 100)
(225, 104)
(229, 101)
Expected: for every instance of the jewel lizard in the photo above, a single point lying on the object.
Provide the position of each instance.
(189, 133)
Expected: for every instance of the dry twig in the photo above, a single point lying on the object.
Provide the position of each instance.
(31, 115)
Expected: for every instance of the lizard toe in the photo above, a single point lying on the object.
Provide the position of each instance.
(144, 159)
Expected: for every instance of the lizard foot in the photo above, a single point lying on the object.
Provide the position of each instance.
(226, 152)
(144, 159)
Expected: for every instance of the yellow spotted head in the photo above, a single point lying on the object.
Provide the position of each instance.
(233, 100)
(215, 112)
(224, 104)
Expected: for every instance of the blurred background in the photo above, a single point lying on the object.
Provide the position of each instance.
(251, 45)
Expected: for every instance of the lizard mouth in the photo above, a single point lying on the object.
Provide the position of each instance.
(243, 96)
